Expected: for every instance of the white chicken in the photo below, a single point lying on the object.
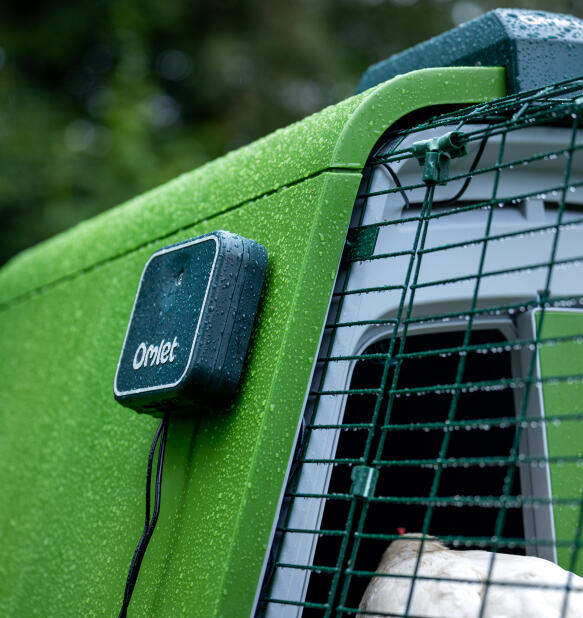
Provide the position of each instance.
(451, 599)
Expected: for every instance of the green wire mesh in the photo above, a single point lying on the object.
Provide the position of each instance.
(448, 394)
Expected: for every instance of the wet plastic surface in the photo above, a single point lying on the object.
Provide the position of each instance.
(74, 459)
(537, 48)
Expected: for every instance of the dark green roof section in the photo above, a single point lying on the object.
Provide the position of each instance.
(537, 48)
(340, 136)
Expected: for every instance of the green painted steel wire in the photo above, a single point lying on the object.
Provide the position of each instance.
(462, 580)
(439, 389)
(479, 204)
(501, 118)
(473, 207)
(499, 582)
(493, 347)
(467, 541)
(413, 267)
(359, 323)
(461, 278)
(514, 451)
(494, 237)
(461, 364)
(509, 308)
(441, 501)
(420, 238)
(502, 271)
(299, 603)
(457, 541)
(311, 567)
(455, 462)
(319, 531)
(531, 421)
(468, 137)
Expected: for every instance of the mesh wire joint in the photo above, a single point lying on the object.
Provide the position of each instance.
(436, 153)
(364, 480)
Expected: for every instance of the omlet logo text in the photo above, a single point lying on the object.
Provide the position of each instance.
(155, 354)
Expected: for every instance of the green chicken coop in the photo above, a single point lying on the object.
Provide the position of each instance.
(416, 360)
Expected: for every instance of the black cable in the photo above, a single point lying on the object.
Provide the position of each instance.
(398, 183)
(150, 523)
(449, 200)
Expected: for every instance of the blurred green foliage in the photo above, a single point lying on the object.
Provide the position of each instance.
(102, 100)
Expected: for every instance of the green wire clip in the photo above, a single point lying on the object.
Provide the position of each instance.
(436, 153)
(361, 242)
(364, 480)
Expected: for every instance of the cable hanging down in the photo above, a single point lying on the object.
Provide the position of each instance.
(450, 200)
(150, 523)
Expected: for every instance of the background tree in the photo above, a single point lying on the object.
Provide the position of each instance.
(102, 100)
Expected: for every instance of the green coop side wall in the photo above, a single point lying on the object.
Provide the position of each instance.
(74, 460)
(562, 399)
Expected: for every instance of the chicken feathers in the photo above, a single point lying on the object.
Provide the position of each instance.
(443, 598)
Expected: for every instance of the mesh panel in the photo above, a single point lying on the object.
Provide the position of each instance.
(447, 399)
